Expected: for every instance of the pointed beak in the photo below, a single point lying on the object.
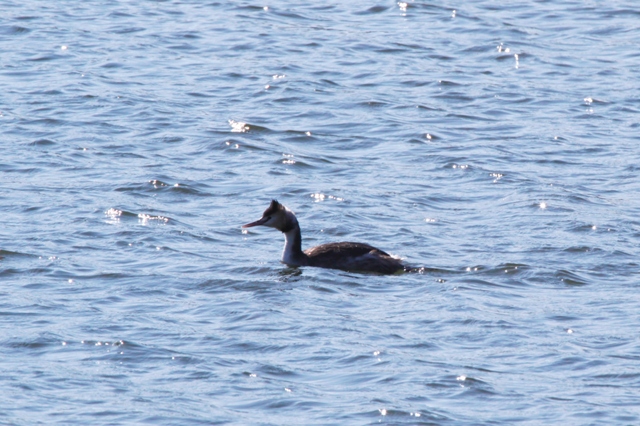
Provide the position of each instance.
(256, 223)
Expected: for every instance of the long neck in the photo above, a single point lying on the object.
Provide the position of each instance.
(292, 254)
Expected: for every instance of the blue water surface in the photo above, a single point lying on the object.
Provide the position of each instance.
(493, 144)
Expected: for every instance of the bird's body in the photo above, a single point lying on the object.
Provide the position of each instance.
(347, 256)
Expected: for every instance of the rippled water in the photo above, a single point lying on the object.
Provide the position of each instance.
(494, 145)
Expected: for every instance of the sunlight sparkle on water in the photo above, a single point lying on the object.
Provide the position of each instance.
(501, 48)
(113, 215)
(238, 126)
(321, 197)
(288, 159)
(144, 218)
(113, 212)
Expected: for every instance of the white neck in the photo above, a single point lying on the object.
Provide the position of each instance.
(290, 255)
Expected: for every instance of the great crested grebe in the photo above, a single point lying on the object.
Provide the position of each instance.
(347, 256)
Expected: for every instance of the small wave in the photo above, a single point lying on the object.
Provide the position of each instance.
(572, 278)
(115, 215)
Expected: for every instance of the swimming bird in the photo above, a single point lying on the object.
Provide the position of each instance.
(348, 256)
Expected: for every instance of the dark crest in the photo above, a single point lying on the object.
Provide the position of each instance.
(273, 208)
